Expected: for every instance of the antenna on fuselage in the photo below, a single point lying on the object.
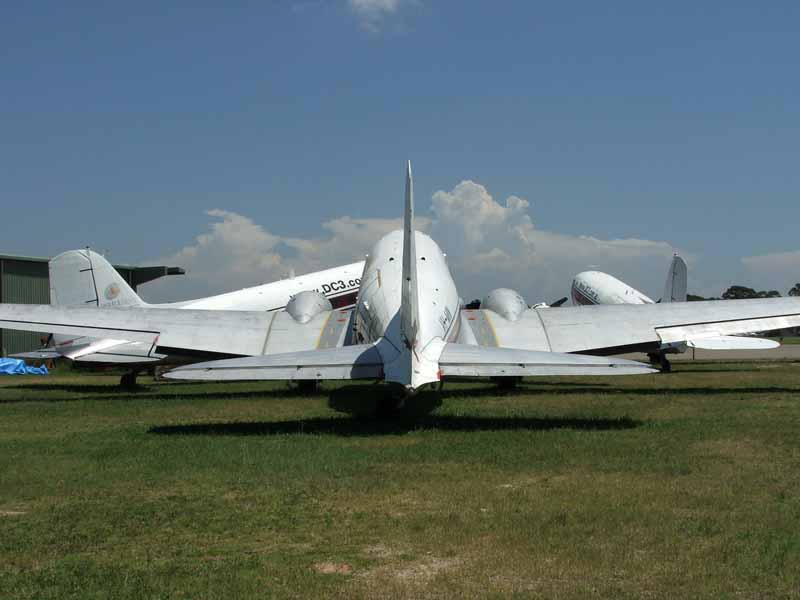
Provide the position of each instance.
(409, 300)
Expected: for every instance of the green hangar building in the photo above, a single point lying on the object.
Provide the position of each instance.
(25, 280)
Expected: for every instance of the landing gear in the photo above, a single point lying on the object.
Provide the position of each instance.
(307, 386)
(392, 403)
(660, 359)
(128, 380)
(506, 383)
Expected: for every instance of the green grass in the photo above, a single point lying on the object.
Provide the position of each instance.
(681, 485)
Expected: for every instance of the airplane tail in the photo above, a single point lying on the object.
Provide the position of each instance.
(84, 278)
(675, 286)
(409, 301)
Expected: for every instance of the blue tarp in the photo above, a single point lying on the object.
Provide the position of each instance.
(15, 366)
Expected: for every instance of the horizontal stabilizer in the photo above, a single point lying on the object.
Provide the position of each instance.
(480, 361)
(733, 342)
(347, 362)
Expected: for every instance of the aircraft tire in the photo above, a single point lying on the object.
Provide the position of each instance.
(128, 380)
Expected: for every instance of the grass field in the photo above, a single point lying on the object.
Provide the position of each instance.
(681, 485)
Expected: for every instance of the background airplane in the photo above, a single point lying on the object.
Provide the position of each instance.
(84, 278)
(596, 287)
(408, 327)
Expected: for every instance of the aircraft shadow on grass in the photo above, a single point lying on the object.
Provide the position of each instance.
(363, 400)
(400, 424)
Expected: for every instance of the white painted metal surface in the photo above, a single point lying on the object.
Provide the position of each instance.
(84, 278)
(596, 287)
(408, 313)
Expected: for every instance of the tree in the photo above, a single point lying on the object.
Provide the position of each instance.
(696, 298)
(795, 291)
(738, 292)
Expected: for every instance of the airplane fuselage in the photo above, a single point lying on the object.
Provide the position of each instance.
(378, 311)
(596, 287)
(339, 285)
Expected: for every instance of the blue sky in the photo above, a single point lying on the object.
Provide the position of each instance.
(678, 124)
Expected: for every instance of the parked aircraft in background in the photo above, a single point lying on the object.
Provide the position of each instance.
(408, 327)
(85, 278)
(596, 287)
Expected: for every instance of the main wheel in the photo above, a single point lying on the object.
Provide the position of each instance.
(307, 386)
(506, 383)
(391, 404)
(128, 380)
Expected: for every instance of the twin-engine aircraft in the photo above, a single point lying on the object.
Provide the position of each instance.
(81, 278)
(409, 328)
(596, 287)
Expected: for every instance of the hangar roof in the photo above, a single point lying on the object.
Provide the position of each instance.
(139, 275)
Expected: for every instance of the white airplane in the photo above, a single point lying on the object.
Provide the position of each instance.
(409, 328)
(596, 287)
(85, 278)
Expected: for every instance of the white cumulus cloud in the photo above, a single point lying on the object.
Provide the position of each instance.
(778, 270)
(489, 244)
(492, 244)
(372, 13)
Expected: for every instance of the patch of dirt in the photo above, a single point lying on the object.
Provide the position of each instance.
(381, 551)
(329, 568)
(12, 513)
(418, 572)
(426, 569)
(732, 448)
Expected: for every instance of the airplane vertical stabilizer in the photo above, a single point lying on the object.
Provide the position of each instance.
(84, 278)
(676, 284)
(409, 300)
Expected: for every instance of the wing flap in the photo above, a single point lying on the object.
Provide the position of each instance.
(94, 346)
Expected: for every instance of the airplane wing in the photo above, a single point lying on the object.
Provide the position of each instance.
(43, 354)
(614, 329)
(231, 333)
(366, 362)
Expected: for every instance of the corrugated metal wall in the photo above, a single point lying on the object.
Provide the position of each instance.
(24, 282)
(28, 282)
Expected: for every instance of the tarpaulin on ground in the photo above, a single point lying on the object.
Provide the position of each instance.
(15, 366)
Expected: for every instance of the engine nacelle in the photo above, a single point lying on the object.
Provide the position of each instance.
(306, 305)
(507, 303)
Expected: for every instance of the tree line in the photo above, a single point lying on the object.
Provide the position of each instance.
(741, 292)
